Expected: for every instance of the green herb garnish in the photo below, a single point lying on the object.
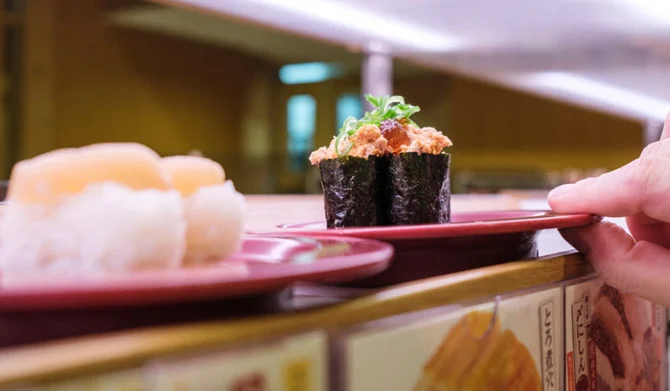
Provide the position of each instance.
(385, 108)
(349, 127)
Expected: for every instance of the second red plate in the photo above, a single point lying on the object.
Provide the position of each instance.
(470, 240)
(462, 224)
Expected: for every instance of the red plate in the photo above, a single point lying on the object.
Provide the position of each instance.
(462, 224)
(472, 239)
(264, 265)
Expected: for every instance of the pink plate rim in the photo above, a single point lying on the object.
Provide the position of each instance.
(363, 258)
(475, 223)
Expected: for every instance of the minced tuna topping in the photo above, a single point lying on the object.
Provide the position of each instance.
(425, 140)
(386, 130)
(367, 141)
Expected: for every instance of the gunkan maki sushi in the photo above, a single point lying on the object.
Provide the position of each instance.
(351, 176)
(417, 180)
(383, 169)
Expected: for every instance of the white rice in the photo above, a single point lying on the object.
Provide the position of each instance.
(106, 229)
(215, 217)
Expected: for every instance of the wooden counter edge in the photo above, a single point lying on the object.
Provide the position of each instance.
(73, 358)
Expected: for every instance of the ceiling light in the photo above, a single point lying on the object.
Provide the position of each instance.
(658, 10)
(368, 22)
(593, 92)
(332, 13)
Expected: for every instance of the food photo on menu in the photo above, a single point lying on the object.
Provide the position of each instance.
(614, 341)
(489, 358)
(511, 344)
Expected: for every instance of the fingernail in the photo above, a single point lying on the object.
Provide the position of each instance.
(561, 191)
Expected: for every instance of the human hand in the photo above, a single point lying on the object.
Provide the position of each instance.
(638, 263)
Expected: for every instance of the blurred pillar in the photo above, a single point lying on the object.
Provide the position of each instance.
(257, 119)
(256, 134)
(37, 133)
(377, 72)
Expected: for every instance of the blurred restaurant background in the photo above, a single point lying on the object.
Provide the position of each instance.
(531, 93)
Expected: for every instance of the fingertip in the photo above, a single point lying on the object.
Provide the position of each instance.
(578, 238)
(600, 241)
(560, 191)
(603, 195)
(559, 198)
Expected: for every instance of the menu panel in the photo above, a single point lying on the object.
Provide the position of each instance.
(614, 341)
(297, 363)
(118, 381)
(515, 345)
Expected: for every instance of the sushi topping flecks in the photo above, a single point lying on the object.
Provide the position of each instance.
(387, 129)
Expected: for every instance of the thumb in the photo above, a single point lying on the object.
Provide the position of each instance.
(639, 268)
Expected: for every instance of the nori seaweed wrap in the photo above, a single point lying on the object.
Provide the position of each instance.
(352, 188)
(418, 189)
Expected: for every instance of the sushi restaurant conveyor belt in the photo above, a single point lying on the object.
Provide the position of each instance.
(48, 364)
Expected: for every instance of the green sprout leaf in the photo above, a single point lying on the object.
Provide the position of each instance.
(385, 108)
(374, 100)
(392, 101)
(348, 129)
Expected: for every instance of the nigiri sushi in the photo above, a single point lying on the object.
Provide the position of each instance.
(101, 209)
(214, 211)
(46, 178)
(115, 208)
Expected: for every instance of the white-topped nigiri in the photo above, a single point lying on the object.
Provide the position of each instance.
(47, 177)
(101, 209)
(214, 210)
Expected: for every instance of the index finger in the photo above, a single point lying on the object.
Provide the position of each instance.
(641, 186)
(606, 195)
